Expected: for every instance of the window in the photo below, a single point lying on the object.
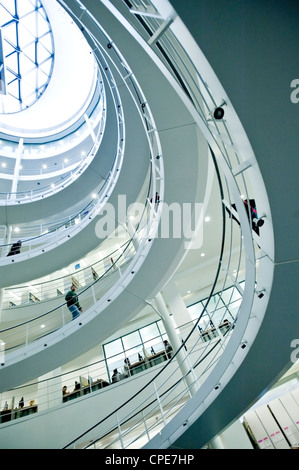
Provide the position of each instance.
(27, 50)
(147, 340)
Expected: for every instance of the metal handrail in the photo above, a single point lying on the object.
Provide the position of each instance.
(223, 155)
(35, 244)
(23, 334)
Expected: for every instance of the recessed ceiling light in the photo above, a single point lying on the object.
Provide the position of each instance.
(202, 254)
(208, 218)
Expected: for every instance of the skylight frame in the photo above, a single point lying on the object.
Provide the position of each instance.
(32, 83)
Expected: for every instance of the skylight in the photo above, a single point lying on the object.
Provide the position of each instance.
(26, 53)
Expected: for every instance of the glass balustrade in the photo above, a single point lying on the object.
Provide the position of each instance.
(47, 393)
(145, 21)
(205, 341)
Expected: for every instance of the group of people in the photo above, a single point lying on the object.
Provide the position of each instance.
(117, 376)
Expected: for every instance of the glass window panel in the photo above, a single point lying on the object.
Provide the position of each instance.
(25, 37)
(153, 346)
(230, 295)
(131, 340)
(24, 8)
(149, 332)
(10, 6)
(42, 26)
(8, 49)
(195, 310)
(42, 53)
(219, 315)
(132, 354)
(27, 92)
(45, 68)
(14, 89)
(10, 33)
(32, 24)
(12, 61)
(47, 43)
(116, 361)
(27, 66)
(234, 307)
(115, 347)
(4, 15)
(161, 327)
(42, 12)
(214, 301)
(29, 50)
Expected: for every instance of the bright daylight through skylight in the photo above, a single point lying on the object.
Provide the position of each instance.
(26, 53)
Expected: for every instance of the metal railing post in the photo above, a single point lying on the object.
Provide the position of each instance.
(159, 403)
(119, 432)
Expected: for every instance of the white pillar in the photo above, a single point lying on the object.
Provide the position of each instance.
(178, 309)
(182, 359)
(180, 312)
(176, 304)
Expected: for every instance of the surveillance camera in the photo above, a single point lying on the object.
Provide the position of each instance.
(260, 222)
(218, 113)
(260, 293)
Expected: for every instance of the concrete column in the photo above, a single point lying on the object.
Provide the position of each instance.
(176, 304)
(178, 309)
(181, 357)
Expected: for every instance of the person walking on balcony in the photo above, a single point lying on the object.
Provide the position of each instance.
(73, 302)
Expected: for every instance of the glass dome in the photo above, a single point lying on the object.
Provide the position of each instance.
(52, 100)
(26, 53)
